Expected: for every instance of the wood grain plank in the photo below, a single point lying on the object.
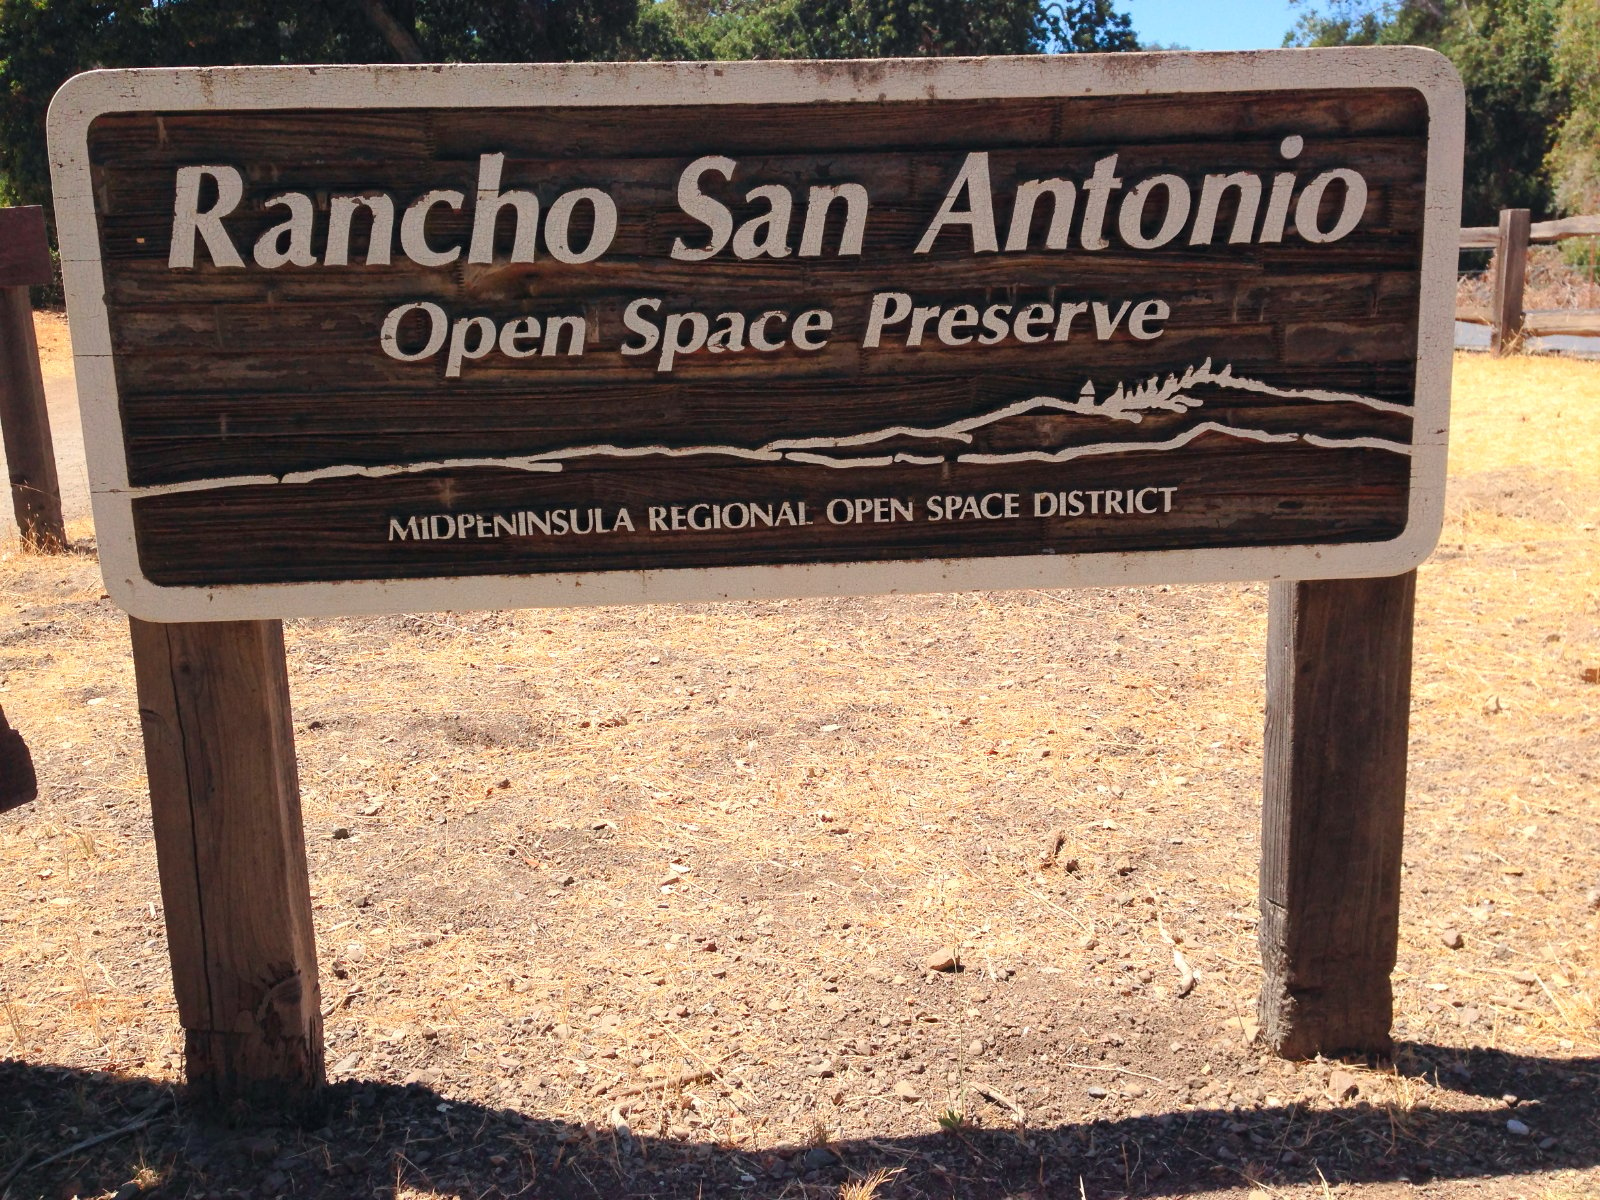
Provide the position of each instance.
(1338, 702)
(225, 799)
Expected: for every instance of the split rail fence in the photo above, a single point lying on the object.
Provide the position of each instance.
(1508, 321)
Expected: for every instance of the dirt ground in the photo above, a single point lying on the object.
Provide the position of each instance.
(639, 901)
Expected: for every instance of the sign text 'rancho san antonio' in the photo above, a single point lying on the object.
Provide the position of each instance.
(391, 338)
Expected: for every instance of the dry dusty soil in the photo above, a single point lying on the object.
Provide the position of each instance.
(637, 902)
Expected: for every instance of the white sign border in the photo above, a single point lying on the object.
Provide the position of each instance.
(90, 95)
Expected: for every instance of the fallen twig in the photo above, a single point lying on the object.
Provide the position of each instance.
(1004, 1101)
(682, 1080)
(1115, 1071)
(88, 1143)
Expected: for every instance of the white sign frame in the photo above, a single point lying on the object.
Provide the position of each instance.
(90, 95)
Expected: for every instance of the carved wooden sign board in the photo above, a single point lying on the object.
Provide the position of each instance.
(386, 338)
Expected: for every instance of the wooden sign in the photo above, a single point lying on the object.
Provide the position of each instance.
(387, 338)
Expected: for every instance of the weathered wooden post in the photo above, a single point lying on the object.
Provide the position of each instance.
(1510, 275)
(24, 419)
(1338, 700)
(225, 794)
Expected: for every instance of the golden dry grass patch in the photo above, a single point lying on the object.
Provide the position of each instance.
(55, 342)
(1508, 625)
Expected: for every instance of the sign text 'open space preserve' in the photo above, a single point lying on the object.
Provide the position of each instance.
(378, 338)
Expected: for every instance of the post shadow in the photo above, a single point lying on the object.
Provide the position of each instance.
(371, 1138)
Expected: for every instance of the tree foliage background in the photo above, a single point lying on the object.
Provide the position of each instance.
(1531, 69)
(44, 42)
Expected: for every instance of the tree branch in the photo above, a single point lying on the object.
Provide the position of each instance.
(397, 35)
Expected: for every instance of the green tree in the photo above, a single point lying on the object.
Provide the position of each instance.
(745, 29)
(1505, 52)
(45, 42)
(1574, 159)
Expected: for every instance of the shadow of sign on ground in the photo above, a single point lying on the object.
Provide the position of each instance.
(74, 1132)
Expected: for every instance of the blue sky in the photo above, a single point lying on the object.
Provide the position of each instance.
(1214, 25)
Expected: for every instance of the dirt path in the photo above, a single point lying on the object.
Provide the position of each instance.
(639, 902)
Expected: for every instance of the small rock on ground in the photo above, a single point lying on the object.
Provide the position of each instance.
(1342, 1086)
(945, 958)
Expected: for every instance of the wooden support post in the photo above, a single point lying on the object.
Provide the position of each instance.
(24, 419)
(225, 793)
(1338, 699)
(1510, 273)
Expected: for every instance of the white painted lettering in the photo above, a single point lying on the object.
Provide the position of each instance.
(812, 321)
(1097, 191)
(1063, 198)
(289, 241)
(414, 228)
(1310, 202)
(767, 234)
(577, 330)
(713, 214)
(341, 213)
(972, 180)
(1212, 189)
(438, 330)
(189, 223)
(518, 338)
(758, 331)
(1130, 219)
(491, 202)
(634, 322)
(888, 308)
(460, 350)
(676, 342)
(818, 202)
(1143, 314)
(602, 230)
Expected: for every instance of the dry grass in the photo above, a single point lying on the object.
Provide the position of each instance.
(1505, 738)
(554, 812)
(867, 1188)
(55, 343)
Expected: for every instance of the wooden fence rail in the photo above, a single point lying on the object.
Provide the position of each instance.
(1508, 321)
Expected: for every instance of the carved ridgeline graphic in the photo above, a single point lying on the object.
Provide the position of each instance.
(1161, 407)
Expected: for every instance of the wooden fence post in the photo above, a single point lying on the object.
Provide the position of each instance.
(24, 419)
(1338, 700)
(225, 793)
(1510, 274)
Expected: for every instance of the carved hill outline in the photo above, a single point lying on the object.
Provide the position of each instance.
(1124, 404)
